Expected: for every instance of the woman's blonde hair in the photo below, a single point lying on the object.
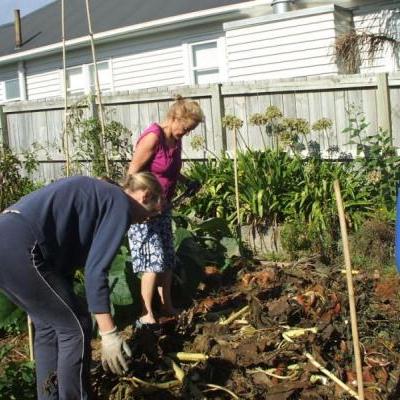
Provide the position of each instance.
(146, 181)
(186, 109)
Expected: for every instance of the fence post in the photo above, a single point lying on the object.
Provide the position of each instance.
(218, 111)
(3, 128)
(383, 103)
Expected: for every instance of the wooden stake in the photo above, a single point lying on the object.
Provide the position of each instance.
(353, 314)
(98, 91)
(65, 136)
(30, 336)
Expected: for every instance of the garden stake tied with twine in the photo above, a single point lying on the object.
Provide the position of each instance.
(353, 314)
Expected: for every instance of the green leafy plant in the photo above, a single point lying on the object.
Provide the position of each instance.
(12, 318)
(17, 380)
(15, 175)
(89, 146)
(377, 161)
(197, 244)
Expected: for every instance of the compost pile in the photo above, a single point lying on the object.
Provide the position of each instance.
(252, 330)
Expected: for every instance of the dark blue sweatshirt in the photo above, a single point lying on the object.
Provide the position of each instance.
(80, 222)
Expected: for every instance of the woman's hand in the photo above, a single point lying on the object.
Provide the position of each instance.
(113, 348)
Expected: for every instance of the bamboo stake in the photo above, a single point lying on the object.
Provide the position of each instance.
(353, 314)
(65, 136)
(330, 375)
(235, 167)
(98, 91)
(30, 336)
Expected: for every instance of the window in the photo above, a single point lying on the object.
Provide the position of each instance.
(11, 89)
(81, 80)
(103, 69)
(75, 81)
(205, 61)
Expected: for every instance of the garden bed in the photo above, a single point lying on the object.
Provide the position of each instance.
(256, 355)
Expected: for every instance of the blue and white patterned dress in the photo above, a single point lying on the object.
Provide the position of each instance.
(151, 244)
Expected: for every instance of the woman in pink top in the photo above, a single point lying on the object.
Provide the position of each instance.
(158, 150)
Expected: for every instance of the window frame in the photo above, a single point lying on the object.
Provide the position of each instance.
(5, 90)
(188, 53)
(87, 79)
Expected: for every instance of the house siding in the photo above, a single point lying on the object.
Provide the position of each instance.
(43, 78)
(291, 46)
(151, 68)
(384, 22)
(295, 44)
(158, 60)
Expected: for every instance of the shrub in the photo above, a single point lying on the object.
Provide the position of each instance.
(372, 246)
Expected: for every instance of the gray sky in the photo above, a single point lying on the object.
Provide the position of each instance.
(7, 8)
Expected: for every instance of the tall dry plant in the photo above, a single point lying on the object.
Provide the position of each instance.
(376, 34)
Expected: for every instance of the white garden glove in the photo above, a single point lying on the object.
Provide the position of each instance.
(112, 357)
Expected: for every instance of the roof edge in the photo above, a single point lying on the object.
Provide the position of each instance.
(181, 20)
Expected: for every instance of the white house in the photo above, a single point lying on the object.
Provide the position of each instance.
(175, 42)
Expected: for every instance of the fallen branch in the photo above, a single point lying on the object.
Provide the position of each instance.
(297, 332)
(330, 375)
(235, 315)
(182, 356)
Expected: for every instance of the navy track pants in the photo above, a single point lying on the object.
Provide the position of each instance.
(62, 323)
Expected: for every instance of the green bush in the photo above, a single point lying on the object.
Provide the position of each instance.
(14, 176)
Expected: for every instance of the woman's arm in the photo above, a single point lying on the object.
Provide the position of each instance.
(144, 151)
(104, 322)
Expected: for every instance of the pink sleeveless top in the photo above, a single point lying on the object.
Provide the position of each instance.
(166, 162)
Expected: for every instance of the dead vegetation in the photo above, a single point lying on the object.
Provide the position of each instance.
(353, 48)
(268, 330)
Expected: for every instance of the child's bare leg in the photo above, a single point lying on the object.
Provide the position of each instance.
(147, 287)
(164, 281)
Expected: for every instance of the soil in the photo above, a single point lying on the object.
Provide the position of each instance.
(255, 354)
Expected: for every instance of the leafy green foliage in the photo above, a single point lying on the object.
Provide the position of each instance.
(287, 184)
(90, 145)
(377, 161)
(197, 244)
(17, 380)
(14, 176)
(12, 318)
(120, 290)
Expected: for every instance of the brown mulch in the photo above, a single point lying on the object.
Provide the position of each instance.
(251, 357)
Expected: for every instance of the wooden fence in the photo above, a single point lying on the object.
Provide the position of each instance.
(377, 96)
